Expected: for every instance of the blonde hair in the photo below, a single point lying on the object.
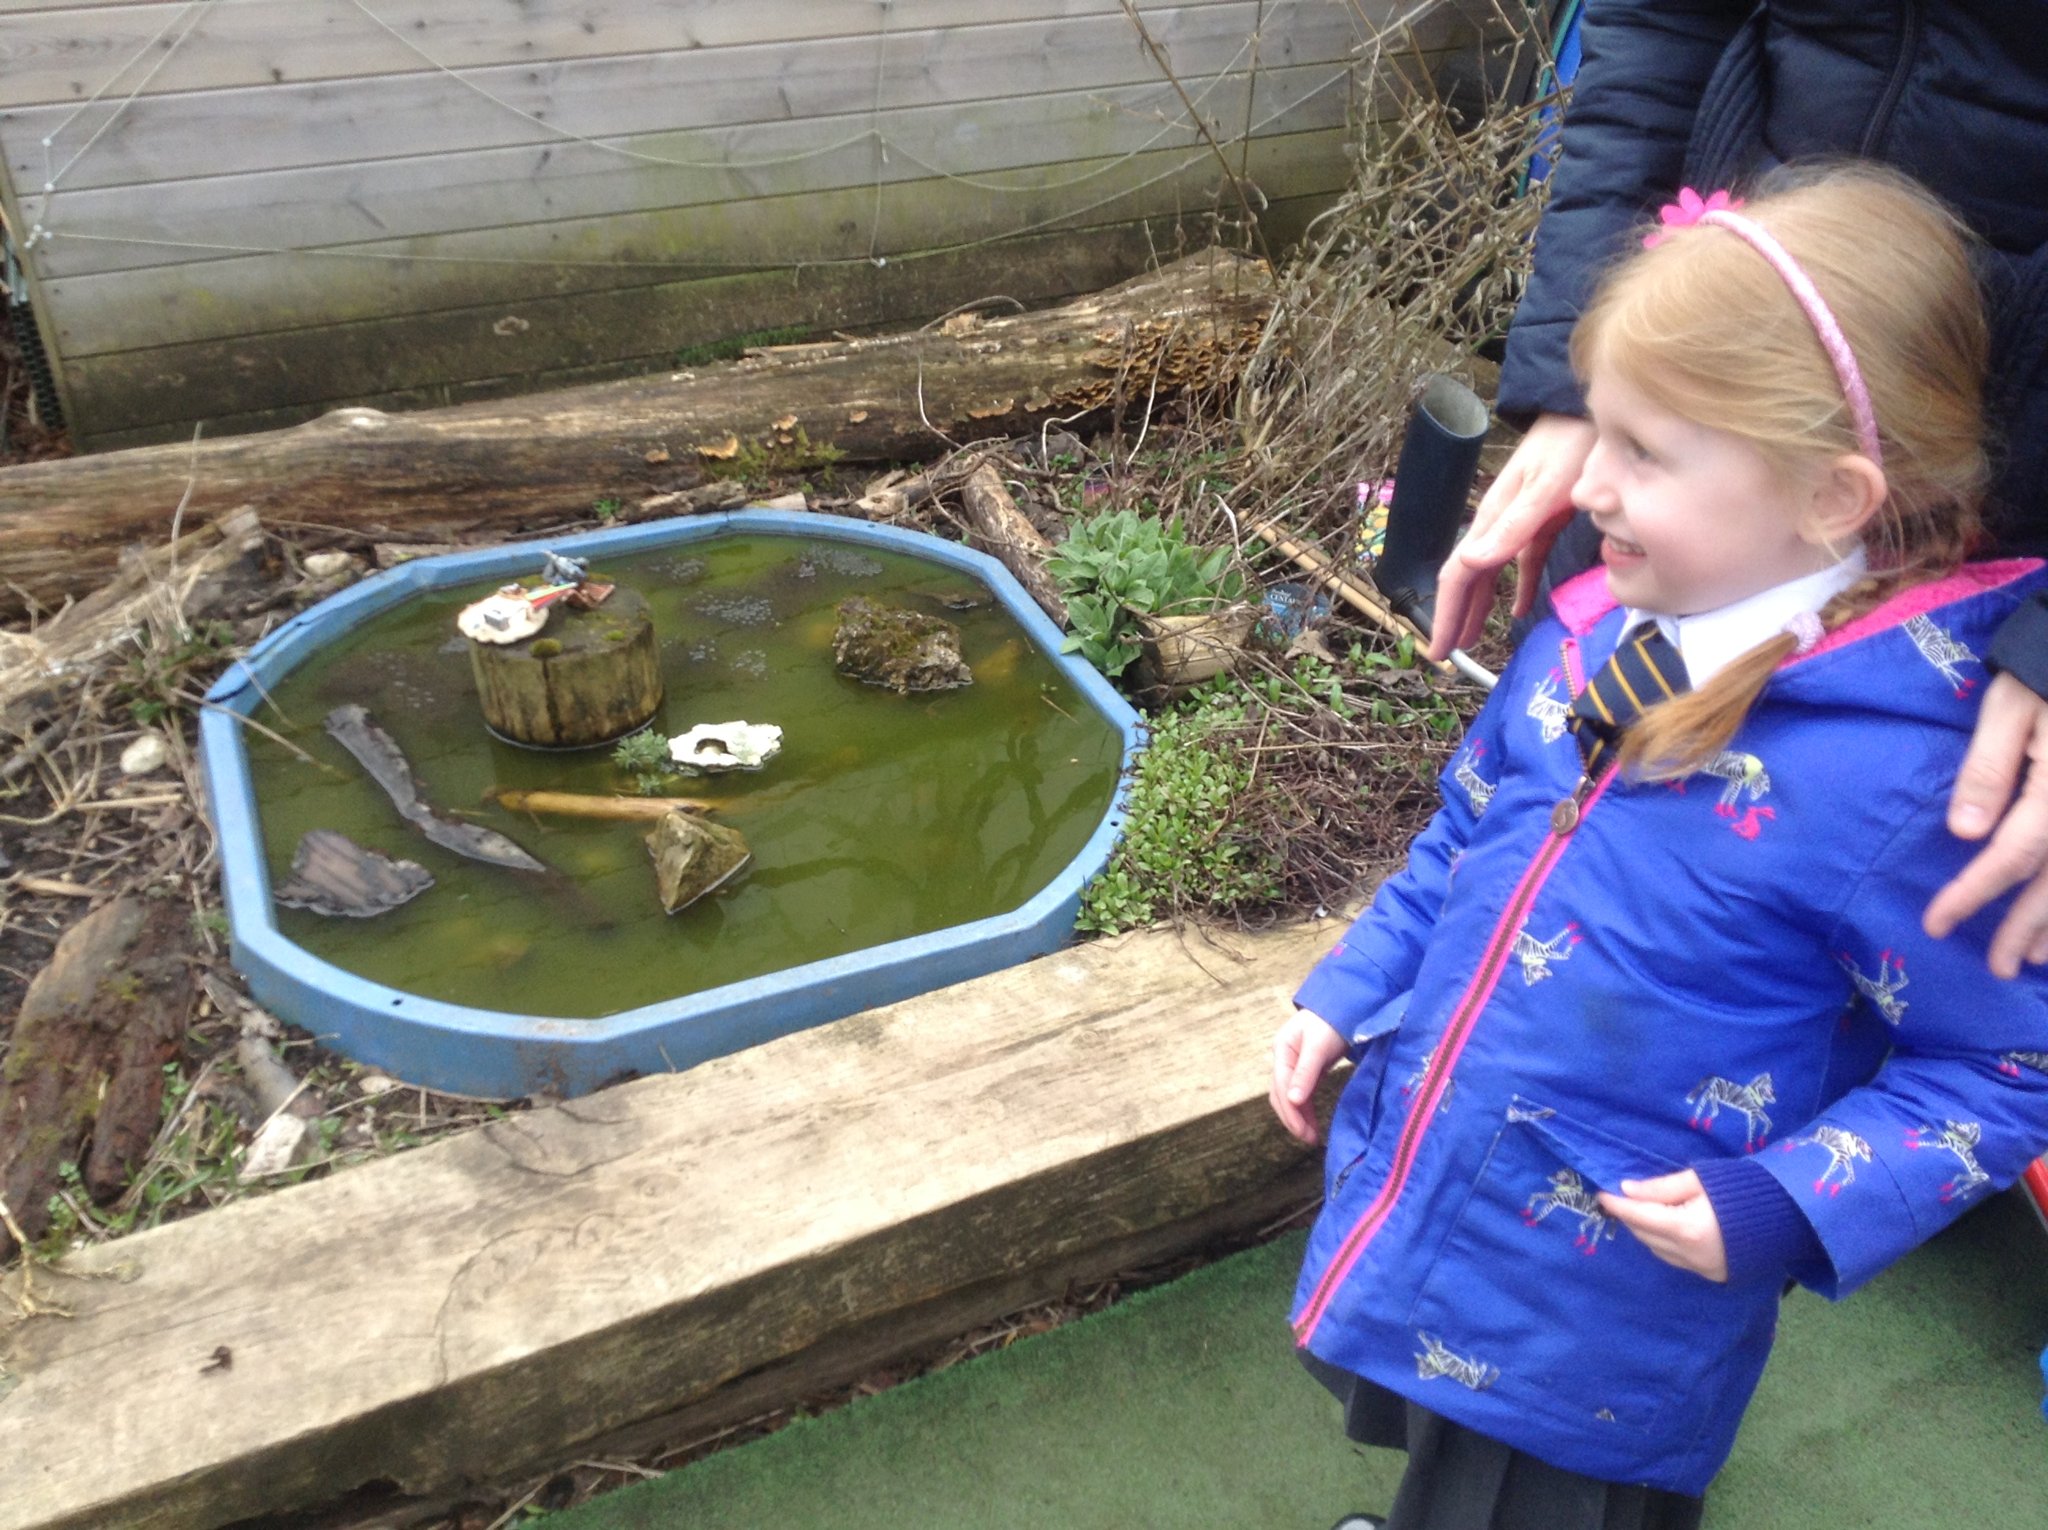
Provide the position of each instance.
(1703, 326)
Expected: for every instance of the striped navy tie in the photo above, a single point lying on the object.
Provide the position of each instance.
(1645, 670)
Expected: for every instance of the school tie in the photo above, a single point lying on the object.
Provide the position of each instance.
(1645, 670)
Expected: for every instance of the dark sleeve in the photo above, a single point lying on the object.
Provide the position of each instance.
(2016, 409)
(1642, 74)
(1764, 1233)
(2021, 647)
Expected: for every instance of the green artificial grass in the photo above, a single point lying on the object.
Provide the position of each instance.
(1916, 1404)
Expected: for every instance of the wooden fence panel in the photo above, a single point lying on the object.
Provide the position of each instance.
(64, 53)
(234, 132)
(257, 210)
(1011, 147)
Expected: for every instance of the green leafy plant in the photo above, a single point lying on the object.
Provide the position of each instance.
(1180, 853)
(644, 757)
(607, 509)
(1117, 566)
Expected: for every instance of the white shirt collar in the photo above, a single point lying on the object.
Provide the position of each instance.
(1712, 640)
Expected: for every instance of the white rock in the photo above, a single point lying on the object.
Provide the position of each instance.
(144, 755)
(726, 746)
(331, 565)
(284, 1140)
(376, 1083)
(785, 502)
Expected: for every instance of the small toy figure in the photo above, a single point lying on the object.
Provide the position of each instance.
(559, 568)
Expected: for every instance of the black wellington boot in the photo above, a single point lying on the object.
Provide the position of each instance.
(1439, 455)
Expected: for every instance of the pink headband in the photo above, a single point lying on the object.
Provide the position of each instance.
(1719, 209)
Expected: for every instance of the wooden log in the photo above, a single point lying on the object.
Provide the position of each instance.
(502, 466)
(726, 1239)
(587, 678)
(86, 1064)
(1002, 531)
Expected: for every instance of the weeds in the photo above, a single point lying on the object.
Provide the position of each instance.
(739, 345)
(1185, 849)
(166, 669)
(644, 760)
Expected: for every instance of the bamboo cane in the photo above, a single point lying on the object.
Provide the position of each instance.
(588, 805)
(1357, 596)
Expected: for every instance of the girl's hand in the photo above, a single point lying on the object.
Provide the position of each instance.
(1674, 1219)
(1303, 1051)
(2011, 741)
(1519, 517)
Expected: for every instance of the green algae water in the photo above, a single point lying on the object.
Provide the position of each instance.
(883, 817)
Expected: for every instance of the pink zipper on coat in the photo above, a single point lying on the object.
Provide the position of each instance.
(1437, 1078)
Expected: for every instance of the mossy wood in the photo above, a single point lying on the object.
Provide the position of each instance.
(86, 1065)
(492, 469)
(664, 1257)
(586, 678)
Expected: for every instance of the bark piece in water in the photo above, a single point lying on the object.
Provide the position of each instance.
(693, 857)
(902, 650)
(376, 752)
(332, 874)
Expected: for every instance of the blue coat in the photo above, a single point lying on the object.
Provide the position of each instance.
(1717, 966)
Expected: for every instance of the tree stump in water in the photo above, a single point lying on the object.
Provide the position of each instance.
(586, 678)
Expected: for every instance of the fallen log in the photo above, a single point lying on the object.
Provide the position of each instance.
(1001, 530)
(501, 466)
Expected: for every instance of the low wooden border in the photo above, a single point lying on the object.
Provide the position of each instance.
(695, 1247)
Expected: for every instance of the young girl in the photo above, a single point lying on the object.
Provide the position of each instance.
(1648, 1024)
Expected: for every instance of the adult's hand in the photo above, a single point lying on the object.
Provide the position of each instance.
(1675, 1220)
(1519, 517)
(2011, 743)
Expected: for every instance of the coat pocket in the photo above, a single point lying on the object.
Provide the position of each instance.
(1537, 1291)
(1358, 1109)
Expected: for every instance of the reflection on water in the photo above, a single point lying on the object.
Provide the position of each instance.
(883, 817)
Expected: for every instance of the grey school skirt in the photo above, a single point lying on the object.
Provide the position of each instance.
(1459, 1479)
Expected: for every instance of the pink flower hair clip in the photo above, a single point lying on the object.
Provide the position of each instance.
(1689, 209)
(1718, 208)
